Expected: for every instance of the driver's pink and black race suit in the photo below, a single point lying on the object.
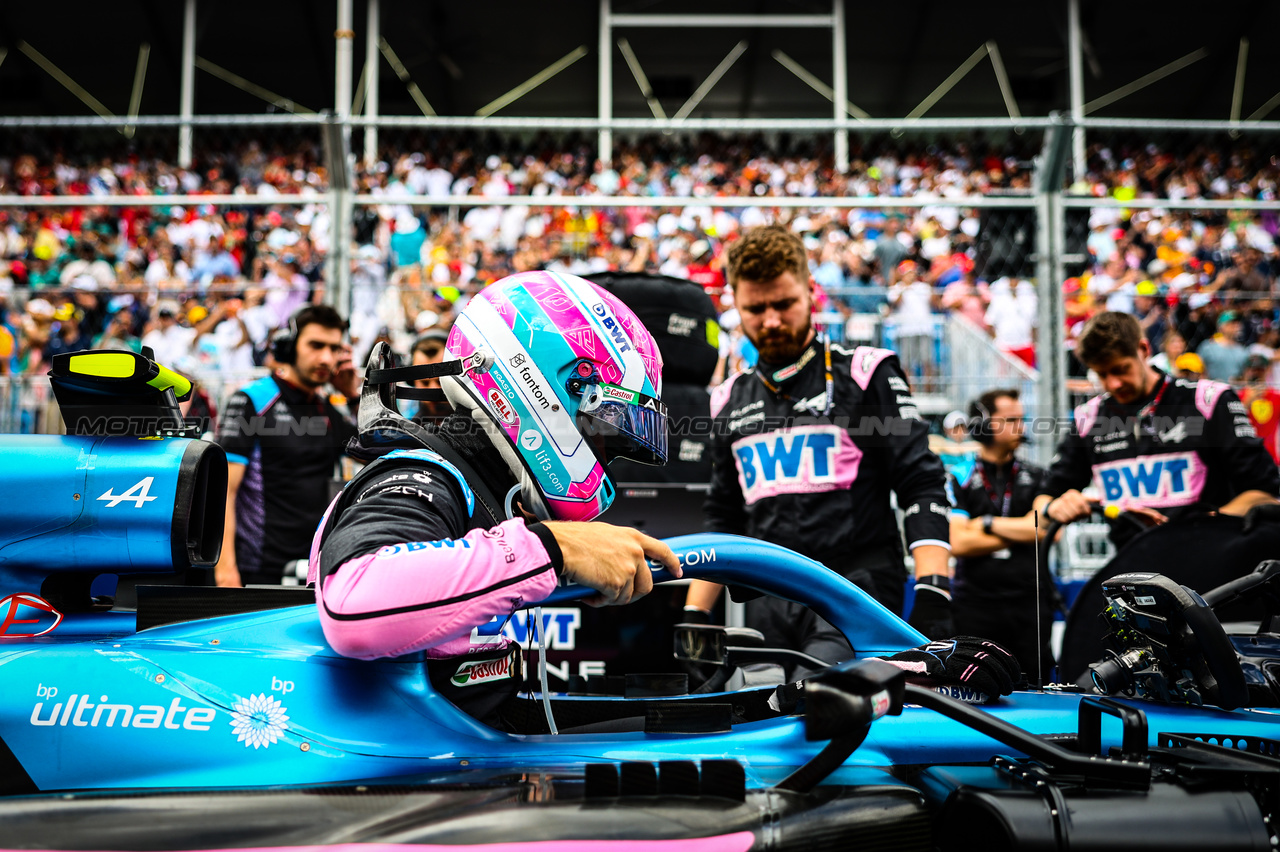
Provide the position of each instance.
(409, 559)
(1187, 447)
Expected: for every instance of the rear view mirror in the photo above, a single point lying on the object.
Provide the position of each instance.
(709, 643)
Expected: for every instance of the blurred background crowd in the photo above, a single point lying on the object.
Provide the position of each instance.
(205, 286)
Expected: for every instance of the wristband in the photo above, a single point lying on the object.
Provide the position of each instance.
(1045, 510)
(987, 520)
(697, 609)
(939, 583)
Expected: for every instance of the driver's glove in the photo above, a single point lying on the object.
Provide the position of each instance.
(962, 666)
(931, 612)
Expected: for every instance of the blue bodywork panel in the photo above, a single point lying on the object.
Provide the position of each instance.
(261, 699)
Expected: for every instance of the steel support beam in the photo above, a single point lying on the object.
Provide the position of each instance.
(604, 98)
(81, 93)
(343, 36)
(1145, 80)
(373, 29)
(533, 82)
(337, 139)
(946, 85)
(337, 291)
(714, 77)
(403, 73)
(1075, 68)
(814, 83)
(1002, 79)
(839, 83)
(642, 79)
(139, 79)
(835, 22)
(251, 87)
(1050, 245)
(718, 21)
(1237, 90)
(187, 98)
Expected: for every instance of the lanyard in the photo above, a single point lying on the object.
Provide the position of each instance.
(1002, 506)
(794, 369)
(1149, 409)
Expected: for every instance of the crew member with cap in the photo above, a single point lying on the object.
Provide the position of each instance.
(1223, 355)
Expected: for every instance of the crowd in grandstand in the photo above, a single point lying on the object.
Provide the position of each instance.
(205, 286)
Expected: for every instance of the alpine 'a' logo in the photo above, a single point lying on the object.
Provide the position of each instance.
(501, 407)
(140, 493)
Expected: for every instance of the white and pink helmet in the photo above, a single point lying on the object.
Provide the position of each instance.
(565, 378)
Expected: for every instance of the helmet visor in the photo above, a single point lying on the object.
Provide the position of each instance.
(632, 425)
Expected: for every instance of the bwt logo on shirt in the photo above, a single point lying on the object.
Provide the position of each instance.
(802, 459)
(1176, 479)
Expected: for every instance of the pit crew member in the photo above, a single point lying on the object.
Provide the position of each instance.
(283, 435)
(993, 537)
(806, 449)
(1157, 448)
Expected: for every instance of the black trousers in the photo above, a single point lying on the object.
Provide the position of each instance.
(1012, 624)
(879, 572)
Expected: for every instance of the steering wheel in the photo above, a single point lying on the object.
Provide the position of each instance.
(1166, 645)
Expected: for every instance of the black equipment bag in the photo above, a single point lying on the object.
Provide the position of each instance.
(680, 316)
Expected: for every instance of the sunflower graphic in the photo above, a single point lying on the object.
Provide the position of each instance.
(258, 720)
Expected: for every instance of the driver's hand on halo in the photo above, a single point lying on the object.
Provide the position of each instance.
(1069, 506)
(610, 559)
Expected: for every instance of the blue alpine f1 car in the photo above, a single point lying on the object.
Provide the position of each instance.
(186, 717)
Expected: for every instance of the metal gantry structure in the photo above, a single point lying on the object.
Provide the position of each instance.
(1063, 151)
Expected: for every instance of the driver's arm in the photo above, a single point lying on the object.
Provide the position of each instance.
(399, 571)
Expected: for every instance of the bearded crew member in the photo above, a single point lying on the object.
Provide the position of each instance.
(806, 449)
(993, 536)
(1155, 447)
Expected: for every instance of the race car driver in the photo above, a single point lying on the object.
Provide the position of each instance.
(1156, 447)
(439, 540)
(806, 449)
